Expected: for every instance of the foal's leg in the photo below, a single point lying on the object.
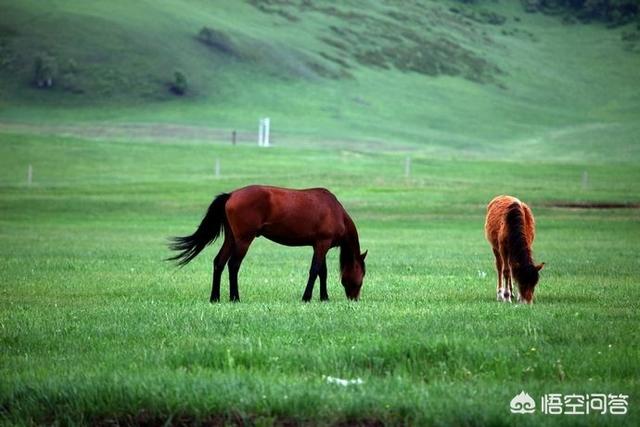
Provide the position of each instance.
(218, 267)
(499, 270)
(237, 255)
(506, 274)
(319, 254)
(508, 290)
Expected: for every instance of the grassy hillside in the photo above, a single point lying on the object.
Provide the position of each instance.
(430, 74)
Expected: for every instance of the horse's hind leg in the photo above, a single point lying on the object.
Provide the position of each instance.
(218, 266)
(239, 251)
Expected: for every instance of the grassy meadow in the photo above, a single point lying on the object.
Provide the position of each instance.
(97, 329)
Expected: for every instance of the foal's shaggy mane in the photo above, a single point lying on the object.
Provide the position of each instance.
(517, 240)
(525, 272)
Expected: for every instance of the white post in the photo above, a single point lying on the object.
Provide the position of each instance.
(585, 179)
(265, 141)
(29, 175)
(407, 167)
(217, 168)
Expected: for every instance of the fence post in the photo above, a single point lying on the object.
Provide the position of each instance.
(263, 132)
(585, 179)
(267, 123)
(29, 175)
(233, 137)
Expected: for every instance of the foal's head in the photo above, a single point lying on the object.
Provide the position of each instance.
(527, 277)
(352, 275)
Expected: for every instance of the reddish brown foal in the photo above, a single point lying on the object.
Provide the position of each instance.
(312, 217)
(510, 228)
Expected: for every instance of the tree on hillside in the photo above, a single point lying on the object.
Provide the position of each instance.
(179, 85)
(614, 12)
(44, 68)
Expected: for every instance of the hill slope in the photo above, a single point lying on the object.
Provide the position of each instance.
(467, 77)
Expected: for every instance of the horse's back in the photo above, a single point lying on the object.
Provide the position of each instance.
(287, 216)
(496, 220)
(279, 200)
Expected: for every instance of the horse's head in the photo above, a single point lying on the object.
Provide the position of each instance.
(352, 276)
(527, 277)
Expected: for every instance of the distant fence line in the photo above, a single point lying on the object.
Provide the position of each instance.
(185, 133)
(135, 131)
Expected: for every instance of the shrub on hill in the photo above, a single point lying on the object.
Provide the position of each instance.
(44, 68)
(613, 12)
(179, 85)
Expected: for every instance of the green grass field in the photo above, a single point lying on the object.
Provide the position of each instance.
(96, 328)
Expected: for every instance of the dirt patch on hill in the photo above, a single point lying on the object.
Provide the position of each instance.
(593, 205)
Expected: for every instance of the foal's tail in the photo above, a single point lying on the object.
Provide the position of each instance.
(208, 231)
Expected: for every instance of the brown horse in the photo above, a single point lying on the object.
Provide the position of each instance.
(312, 217)
(510, 228)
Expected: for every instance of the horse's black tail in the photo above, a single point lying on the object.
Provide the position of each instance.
(208, 231)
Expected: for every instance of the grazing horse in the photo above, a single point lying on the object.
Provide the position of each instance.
(510, 228)
(312, 217)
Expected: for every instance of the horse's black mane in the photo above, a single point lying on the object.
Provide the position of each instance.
(350, 246)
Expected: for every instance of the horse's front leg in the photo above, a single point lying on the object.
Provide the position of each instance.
(324, 296)
(318, 267)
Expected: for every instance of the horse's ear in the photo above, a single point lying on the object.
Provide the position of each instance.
(539, 266)
(364, 255)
